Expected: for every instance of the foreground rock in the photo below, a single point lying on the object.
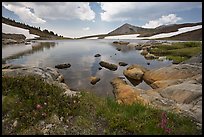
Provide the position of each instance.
(171, 75)
(50, 75)
(194, 59)
(62, 66)
(135, 72)
(177, 98)
(125, 93)
(176, 88)
(94, 80)
(109, 66)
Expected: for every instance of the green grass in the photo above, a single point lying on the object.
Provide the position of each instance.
(178, 51)
(91, 114)
(21, 95)
(176, 59)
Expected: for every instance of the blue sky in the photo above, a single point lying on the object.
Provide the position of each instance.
(75, 19)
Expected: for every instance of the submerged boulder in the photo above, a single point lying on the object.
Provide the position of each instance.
(109, 66)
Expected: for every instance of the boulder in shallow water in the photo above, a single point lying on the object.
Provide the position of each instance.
(97, 55)
(109, 66)
(123, 64)
(121, 42)
(94, 80)
(135, 72)
(150, 56)
(144, 52)
(62, 66)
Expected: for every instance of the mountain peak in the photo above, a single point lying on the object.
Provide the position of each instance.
(126, 29)
(126, 24)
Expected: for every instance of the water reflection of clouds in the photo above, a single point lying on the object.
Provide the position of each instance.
(95, 66)
(80, 54)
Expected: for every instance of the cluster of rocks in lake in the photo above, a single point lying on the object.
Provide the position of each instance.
(176, 88)
(144, 48)
(13, 38)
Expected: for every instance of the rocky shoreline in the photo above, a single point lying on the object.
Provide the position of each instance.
(176, 88)
(13, 39)
(50, 75)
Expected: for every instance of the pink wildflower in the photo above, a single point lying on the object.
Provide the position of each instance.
(39, 106)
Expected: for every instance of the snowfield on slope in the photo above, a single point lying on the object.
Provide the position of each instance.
(162, 35)
(16, 30)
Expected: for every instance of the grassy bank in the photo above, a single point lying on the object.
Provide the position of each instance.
(178, 51)
(29, 101)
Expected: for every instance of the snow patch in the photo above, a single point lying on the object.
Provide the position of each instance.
(92, 38)
(131, 36)
(181, 30)
(16, 30)
(162, 35)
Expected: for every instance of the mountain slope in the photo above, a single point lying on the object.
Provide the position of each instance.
(167, 29)
(195, 35)
(45, 34)
(128, 29)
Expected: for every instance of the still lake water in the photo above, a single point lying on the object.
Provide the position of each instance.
(80, 54)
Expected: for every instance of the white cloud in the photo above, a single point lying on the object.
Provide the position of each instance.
(51, 10)
(164, 20)
(122, 11)
(24, 13)
(86, 29)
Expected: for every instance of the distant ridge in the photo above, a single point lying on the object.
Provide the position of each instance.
(127, 29)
